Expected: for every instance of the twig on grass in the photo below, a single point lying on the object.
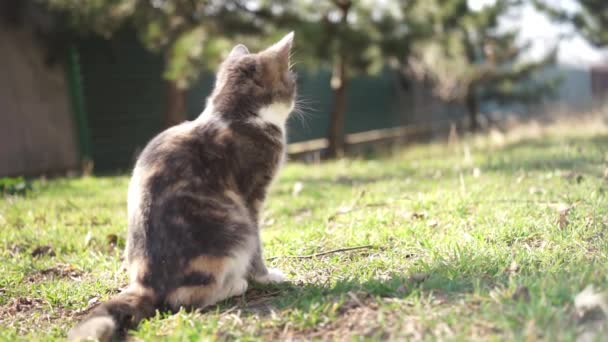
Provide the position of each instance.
(310, 256)
(348, 209)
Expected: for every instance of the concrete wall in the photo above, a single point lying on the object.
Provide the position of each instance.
(37, 133)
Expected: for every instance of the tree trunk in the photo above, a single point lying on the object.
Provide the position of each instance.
(176, 104)
(339, 81)
(473, 110)
(336, 124)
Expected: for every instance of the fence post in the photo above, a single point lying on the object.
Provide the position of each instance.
(75, 86)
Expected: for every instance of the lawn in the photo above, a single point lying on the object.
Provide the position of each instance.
(494, 244)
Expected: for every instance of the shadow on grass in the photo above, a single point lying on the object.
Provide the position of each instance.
(485, 286)
(260, 300)
(449, 280)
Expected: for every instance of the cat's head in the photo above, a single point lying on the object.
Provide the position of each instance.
(259, 86)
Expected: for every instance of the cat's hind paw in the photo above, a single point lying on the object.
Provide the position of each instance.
(238, 288)
(273, 276)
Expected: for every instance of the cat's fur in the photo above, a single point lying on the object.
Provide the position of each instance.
(196, 193)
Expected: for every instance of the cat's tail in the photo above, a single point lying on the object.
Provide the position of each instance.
(111, 319)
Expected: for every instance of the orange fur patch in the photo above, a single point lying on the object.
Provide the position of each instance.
(200, 296)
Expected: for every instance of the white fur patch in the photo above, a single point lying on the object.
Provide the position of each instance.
(207, 113)
(236, 270)
(134, 193)
(274, 276)
(209, 116)
(237, 288)
(240, 260)
(276, 114)
(97, 328)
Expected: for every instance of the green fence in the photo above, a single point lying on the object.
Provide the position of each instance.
(125, 99)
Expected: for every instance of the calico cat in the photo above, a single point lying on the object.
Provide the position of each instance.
(196, 193)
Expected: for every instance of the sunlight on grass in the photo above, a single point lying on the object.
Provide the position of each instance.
(496, 246)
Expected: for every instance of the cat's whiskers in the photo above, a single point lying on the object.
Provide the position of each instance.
(304, 111)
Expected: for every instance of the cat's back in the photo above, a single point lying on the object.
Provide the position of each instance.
(205, 157)
(184, 142)
(181, 157)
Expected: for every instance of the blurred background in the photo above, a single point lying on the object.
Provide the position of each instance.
(86, 83)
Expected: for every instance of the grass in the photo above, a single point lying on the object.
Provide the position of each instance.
(491, 247)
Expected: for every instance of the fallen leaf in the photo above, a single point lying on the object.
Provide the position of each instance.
(413, 215)
(402, 290)
(43, 250)
(16, 249)
(88, 238)
(536, 191)
(22, 304)
(302, 214)
(476, 172)
(513, 268)
(112, 240)
(419, 277)
(297, 188)
(344, 209)
(521, 293)
(269, 222)
(60, 270)
(563, 211)
(93, 301)
(573, 175)
(467, 237)
(589, 222)
(355, 300)
(439, 298)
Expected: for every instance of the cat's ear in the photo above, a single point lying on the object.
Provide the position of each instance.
(239, 50)
(283, 47)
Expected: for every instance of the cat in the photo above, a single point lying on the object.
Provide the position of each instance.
(196, 193)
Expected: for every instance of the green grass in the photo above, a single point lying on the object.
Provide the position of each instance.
(450, 246)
